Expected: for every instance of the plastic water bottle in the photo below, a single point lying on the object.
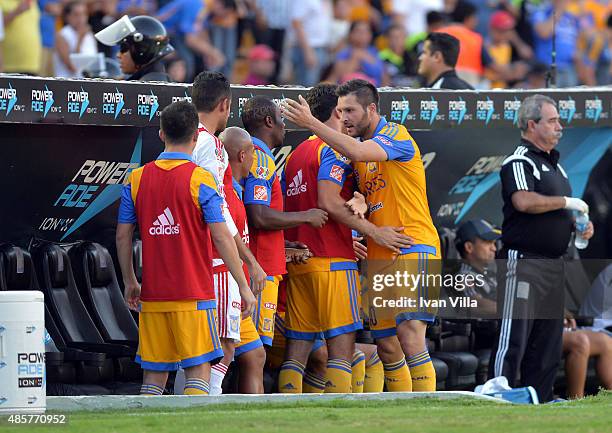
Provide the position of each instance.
(582, 221)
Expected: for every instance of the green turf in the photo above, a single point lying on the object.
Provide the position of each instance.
(593, 414)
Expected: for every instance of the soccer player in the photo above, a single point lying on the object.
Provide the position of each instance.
(390, 174)
(249, 353)
(263, 199)
(323, 294)
(211, 95)
(178, 208)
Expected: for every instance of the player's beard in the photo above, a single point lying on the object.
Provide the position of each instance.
(363, 125)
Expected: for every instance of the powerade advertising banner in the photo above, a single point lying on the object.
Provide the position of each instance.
(67, 146)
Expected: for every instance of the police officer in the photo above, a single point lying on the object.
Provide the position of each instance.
(143, 43)
(536, 231)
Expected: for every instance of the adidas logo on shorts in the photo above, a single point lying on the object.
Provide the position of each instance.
(164, 225)
(296, 187)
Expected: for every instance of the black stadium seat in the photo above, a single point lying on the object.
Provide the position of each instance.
(97, 284)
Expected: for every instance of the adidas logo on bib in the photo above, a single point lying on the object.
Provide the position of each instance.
(296, 187)
(164, 225)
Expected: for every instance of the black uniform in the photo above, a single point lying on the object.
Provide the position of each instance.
(531, 273)
(450, 80)
(153, 72)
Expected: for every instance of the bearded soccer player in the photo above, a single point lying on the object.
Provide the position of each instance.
(263, 200)
(179, 210)
(390, 173)
(323, 293)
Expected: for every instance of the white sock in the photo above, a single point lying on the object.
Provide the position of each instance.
(217, 374)
(179, 382)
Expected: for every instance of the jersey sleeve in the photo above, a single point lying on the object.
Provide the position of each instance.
(127, 208)
(396, 142)
(516, 176)
(334, 166)
(206, 196)
(258, 184)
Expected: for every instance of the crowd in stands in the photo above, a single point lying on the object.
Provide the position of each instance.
(504, 43)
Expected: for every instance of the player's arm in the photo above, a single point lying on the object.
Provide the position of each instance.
(369, 150)
(256, 272)
(263, 217)
(123, 239)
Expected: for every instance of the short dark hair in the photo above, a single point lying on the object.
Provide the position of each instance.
(209, 88)
(463, 10)
(365, 91)
(354, 25)
(179, 122)
(255, 111)
(434, 17)
(69, 7)
(447, 45)
(323, 100)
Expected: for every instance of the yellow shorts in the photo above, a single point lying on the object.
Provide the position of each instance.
(412, 298)
(249, 338)
(183, 337)
(322, 298)
(263, 317)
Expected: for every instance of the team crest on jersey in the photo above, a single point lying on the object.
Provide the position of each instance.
(336, 172)
(260, 193)
(262, 172)
(268, 325)
(234, 324)
(372, 167)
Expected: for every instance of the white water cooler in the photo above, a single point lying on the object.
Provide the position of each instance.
(22, 352)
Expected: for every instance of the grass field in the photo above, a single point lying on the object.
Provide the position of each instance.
(593, 414)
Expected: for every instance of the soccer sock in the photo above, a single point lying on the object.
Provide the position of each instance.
(217, 374)
(147, 389)
(290, 377)
(422, 372)
(313, 383)
(338, 376)
(358, 367)
(196, 387)
(397, 376)
(374, 375)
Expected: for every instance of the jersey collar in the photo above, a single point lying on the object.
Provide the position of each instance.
(257, 142)
(174, 155)
(381, 125)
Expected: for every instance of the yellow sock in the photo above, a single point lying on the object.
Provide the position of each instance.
(397, 376)
(374, 375)
(422, 372)
(313, 383)
(338, 378)
(358, 371)
(196, 387)
(290, 377)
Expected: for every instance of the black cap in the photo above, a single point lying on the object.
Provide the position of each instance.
(473, 229)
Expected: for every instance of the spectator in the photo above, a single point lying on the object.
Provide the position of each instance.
(223, 18)
(400, 66)
(435, 20)
(273, 20)
(102, 14)
(567, 27)
(261, 65)
(1, 39)
(22, 45)
(536, 77)
(74, 38)
(412, 13)
(438, 60)
(49, 11)
(476, 244)
(135, 7)
(360, 56)
(341, 25)
(594, 58)
(502, 40)
(310, 24)
(177, 70)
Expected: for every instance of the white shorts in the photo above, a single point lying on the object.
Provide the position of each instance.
(228, 305)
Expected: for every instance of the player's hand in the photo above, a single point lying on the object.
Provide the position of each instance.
(361, 251)
(132, 294)
(358, 204)
(258, 278)
(248, 301)
(573, 203)
(297, 252)
(392, 238)
(316, 217)
(297, 112)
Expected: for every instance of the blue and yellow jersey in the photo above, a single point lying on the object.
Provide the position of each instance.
(203, 188)
(396, 191)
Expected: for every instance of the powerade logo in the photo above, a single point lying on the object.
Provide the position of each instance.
(567, 109)
(42, 102)
(113, 102)
(511, 109)
(400, 111)
(429, 110)
(485, 110)
(8, 99)
(147, 105)
(457, 111)
(593, 109)
(78, 102)
(181, 98)
(95, 185)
